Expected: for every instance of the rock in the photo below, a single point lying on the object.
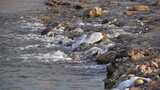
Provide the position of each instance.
(95, 37)
(106, 57)
(131, 13)
(48, 32)
(152, 85)
(140, 8)
(105, 21)
(137, 9)
(98, 50)
(139, 82)
(94, 51)
(95, 12)
(128, 83)
(45, 19)
(136, 54)
(85, 40)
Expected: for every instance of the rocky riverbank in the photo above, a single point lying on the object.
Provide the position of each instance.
(124, 35)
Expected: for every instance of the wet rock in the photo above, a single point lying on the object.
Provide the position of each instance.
(95, 37)
(45, 19)
(152, 85)
(131, 13)
(137, 9)
(128, 83)
(85, 41)
(48, 31)
(98, 50)
(139, 82)
(106, 57)
(140, 8)
(94, 51)
(95, 12)
(136, 54)
(105, 21)
(115, 53)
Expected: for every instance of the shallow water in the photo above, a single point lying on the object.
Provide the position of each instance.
(29, 62)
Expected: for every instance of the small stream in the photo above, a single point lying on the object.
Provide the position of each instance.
(29, 61)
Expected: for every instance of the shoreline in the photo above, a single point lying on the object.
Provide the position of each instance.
(119, 34)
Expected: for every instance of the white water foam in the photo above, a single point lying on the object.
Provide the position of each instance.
(33, 25)
(46, 57)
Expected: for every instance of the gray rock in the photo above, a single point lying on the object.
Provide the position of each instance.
(94, 37)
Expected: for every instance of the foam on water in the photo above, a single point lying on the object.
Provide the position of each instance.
(33, 25)
(88, 67)
(28, 47)
(33, 36)
(46, 57)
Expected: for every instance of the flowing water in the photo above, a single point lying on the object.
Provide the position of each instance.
(30, 62)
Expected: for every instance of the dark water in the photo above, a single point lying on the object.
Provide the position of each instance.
(28, 61)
